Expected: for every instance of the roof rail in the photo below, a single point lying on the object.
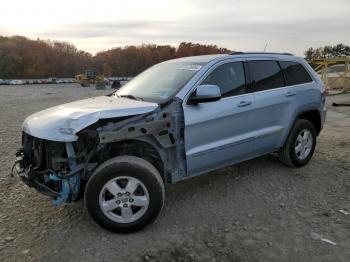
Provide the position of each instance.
(258, 53)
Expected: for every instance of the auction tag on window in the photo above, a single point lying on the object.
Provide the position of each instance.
(191, 67)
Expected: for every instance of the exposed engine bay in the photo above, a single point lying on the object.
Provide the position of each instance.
(60, 169)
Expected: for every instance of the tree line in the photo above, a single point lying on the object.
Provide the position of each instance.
(23, 58)
(131, 60)
(328, 51)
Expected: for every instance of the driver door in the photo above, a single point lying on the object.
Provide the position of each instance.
(221, 133)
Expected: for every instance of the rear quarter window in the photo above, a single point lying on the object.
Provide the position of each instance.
(295, 73)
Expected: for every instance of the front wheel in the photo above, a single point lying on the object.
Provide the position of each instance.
(300, 145)
(125, 194)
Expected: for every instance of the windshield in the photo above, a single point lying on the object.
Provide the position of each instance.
(160, 82)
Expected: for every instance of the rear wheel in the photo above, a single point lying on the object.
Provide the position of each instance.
(125, 194)
(300, 144)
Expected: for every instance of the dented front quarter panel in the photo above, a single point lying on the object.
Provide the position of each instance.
(61, 123)
(163, 129)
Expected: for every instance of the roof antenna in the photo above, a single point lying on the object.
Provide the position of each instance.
(265, 47)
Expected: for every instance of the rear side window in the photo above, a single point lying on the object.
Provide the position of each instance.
(230, 78)
(265, 75)
(295, 73)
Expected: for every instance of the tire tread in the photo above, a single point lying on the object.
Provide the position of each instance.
(141, 164)
(284, 154)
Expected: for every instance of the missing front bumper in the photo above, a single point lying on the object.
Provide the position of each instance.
(63, 188)
(30, 177)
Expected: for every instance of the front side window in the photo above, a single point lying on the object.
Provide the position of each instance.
(160, 82)
(265, 75)
(295, 73)
(230, 78)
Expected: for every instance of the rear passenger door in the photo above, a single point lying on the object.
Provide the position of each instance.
(273, 102)
(300, 82)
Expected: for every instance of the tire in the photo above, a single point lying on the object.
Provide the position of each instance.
(289, 153)
(108, 200)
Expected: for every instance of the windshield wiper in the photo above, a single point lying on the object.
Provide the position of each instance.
(131, 97)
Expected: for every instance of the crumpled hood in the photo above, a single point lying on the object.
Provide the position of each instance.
(61, 123)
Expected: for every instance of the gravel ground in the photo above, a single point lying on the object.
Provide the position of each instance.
(259, 210)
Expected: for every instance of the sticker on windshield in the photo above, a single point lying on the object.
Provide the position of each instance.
(191, 67)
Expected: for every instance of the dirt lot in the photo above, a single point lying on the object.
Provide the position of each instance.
(255, 211)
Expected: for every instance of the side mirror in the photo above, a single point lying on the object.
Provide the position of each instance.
(205, 93)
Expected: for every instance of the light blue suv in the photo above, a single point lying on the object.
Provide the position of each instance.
(176, 120)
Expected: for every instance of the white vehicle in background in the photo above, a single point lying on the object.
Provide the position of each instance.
(52, 80)
(2, 82)
(16, 82)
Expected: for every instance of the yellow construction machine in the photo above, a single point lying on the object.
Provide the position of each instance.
(89, 77)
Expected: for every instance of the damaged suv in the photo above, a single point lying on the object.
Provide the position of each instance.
(176, 120)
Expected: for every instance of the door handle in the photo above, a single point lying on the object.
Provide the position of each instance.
(244, 103)
(290, 94)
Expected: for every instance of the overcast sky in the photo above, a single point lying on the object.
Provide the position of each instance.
(246, 25)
